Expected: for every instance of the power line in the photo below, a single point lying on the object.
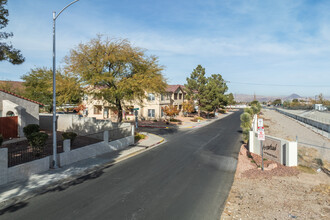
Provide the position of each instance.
(283, 85)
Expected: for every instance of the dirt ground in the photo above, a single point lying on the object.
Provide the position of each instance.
(278, 192)
(282, 192)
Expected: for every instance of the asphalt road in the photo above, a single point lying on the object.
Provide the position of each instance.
(188, 177)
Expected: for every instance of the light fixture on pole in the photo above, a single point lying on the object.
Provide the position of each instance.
(54, 88)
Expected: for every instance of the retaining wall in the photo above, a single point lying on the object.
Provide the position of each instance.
(72, 156)
(24, 171)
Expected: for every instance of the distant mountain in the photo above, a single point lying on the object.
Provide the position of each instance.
(292, 96)
(250, 98)
(260, 98)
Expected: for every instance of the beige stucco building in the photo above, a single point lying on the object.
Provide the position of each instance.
(149, 108)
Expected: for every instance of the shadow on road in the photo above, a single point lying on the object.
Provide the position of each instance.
(159, 131)
(13, 208)
(60, 187)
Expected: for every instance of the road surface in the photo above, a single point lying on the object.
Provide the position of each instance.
(188, 177)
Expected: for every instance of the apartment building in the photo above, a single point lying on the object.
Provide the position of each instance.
(149, 108)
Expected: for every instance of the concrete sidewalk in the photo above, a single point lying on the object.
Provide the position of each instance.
(189, 124)
(15, 192)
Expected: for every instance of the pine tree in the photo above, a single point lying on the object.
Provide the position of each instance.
(195, 87)
(7, 51)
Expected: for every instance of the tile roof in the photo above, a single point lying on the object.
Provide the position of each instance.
(173, 88)
(21, 97)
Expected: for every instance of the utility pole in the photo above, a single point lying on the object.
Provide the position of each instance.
(54, 163)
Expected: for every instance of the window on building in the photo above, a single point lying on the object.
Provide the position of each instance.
(180, 96)
(97, 109)
(175, 96)
(151, 97)
(162, 98)
(151, 113)
(10, 114)
(180, 107)
(161, 113)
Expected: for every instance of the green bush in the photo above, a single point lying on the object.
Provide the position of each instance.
(174, 120)
(155, 120)
(246, 133)
(139, 136)
(38, 140)
(245, 120)
(1, 139)
(69, 135)
(29, 129)
(249, 111)
(255, 109)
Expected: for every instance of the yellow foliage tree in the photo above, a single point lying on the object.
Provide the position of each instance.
(171, 111)
(116, 71)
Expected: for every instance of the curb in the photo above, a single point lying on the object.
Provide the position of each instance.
(65, 182)
(149, 126)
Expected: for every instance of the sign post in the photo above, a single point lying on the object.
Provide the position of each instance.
(261, 137)
(136, 117)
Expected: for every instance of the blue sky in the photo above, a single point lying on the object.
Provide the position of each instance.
(263, 47)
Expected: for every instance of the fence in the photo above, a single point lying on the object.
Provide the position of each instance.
(21, 152)
(124, 136)
(88, 139)
(321, 128)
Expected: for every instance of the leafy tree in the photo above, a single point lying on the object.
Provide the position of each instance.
(254, 102)
(39, 87)
(188, 106)
(196, 86)
(214, 94)
(68, 89)
(116, 71)
(321, 98)
(7, 51)
(171, 111)
(277, 102)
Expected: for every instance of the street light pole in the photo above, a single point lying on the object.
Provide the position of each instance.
(54, 88)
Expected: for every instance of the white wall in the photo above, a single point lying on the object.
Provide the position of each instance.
(75, 123)
(288, 148)
(71, 156)
(22, 171)
(31, 113)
